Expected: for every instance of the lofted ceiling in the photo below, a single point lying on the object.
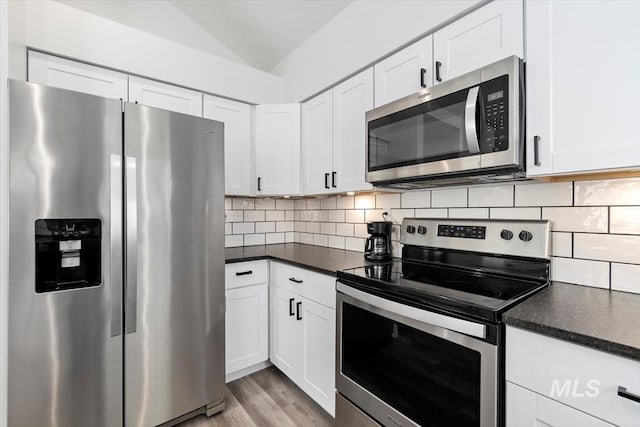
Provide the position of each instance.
(258, 33)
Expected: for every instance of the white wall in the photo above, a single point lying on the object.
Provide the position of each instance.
(54, 27)
(358, 36)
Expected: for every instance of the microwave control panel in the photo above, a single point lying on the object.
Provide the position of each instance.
(494, 115)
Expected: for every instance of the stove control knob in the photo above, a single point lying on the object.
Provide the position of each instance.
(525, 236)
(411, 229)
(506, 234)
(422, 229)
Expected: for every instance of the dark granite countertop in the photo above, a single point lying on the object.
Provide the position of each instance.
(597, 318)
(320, 259)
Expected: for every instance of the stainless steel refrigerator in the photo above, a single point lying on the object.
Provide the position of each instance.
(116, 280)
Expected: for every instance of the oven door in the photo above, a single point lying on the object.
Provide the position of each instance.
(405, 366)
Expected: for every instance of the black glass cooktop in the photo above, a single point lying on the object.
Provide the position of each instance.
(468, 292)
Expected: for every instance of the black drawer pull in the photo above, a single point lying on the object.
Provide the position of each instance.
(259, 182)
(423, 71)
(291, 313)
(333, 179)
(438, 65)
(244, 273)
(622, 392)
(326, 180)
(294, 280)
(536, 151)
(298, 305)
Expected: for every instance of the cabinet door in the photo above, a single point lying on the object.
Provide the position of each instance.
(278, 149)
(164, 96)
(238, 154)
(402, 73)
(317, 136)
(486, 35)
(284, 328)
(351, 100)
(58, 72)
(246, 323)
(318, 353)
(579, 130)
(528, 409)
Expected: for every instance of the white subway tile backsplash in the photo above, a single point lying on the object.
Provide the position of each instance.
(355, 215)
(289, 237)
(272, 238)
(265, 227)
(320, 240)
(328, 228)
(328, 203)
(608, 192)
(399, 214)
(469, 213)
(354, 244)
(254, 239)
(337, 215)
(243, 203)
(274, 215)
(590, 273)
(265, 204)
(360, 230)
(344, 229)
(233, 216)
(289, 215)
(228, 203)
(387, 201)
(624, 219)
(299, 226)
(345, 202)
(365, 202)
(233, 241)
(374, 215)
(579, 219)
(227, 228)
(337, 242)
(449, 198)
(515, 213)
(416, 199)
(562, 244)
(306, 238)
(285, 226)
(313, 227)
(243, 228)
(544, 194)
(501, 195)
(313, 204)
(300, 204)
(625, 277)
(607, 247)
(432, 213)
(254, 216)
(284, 204)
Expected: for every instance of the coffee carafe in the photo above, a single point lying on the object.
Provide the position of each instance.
(378, 245)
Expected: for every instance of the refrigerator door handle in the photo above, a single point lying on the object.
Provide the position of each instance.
(132, 245)
(116, 244)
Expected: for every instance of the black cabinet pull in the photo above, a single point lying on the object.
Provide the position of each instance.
(294, 280)
(259, 179)
(244, 273)
(298, 305)
(438, 65)
(622, 392)
(536, 150)
(423, 71)
(291, 313)
(333, 179)
(326, 180)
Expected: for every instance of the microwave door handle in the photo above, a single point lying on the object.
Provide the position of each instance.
(470, 120)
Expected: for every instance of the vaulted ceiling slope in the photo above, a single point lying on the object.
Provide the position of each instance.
(258, 33)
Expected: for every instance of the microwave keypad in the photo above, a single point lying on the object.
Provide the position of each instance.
(494, 115)
(496, 136)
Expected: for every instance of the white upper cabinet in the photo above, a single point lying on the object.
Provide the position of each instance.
(167, 97)
(486, 35)
(238, 168)
(317, 143)
(571, 51)
(351, 100)
(278, 149)
(58, 72)
(404, 72)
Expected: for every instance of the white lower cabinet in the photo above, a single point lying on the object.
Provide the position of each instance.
(303, 330)
(528, 409)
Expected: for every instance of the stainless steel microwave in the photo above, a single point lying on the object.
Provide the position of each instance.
(467, 129)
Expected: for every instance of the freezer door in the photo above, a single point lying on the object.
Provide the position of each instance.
(65, 328)
(174, 210)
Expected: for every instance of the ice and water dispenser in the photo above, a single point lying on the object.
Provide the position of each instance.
(68, 254)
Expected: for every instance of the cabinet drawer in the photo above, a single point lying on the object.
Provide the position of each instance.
(317, 287)
(575, 375)
(246, 273)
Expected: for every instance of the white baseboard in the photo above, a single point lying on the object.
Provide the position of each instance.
(232, 376)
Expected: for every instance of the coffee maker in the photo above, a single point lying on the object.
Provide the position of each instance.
(378, 245)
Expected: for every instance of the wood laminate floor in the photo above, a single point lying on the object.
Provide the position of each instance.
(264, 399)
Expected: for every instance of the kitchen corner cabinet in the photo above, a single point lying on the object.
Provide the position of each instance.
(71, 75)
(488, 34)
(405, 72)
(246, 315)
(573, 128)
(167, 97)
(277, 149)
(334, 137)
(238, 152)
(303, 330)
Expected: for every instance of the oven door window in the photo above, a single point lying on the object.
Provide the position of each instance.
(432, 381)
(428, 132)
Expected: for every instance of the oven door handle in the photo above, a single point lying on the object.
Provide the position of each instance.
(428, 317)
(470, 127)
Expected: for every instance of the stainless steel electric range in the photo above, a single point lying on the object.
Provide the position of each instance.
(420, 341)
